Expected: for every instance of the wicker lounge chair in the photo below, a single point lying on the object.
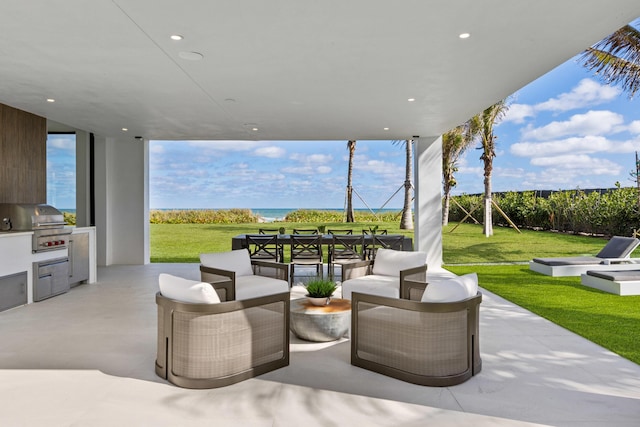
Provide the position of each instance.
(426, 343)
(614, 256)
(207, 342)
(241, 277)
(386, 275)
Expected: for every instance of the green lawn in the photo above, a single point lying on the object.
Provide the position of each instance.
(609, 320)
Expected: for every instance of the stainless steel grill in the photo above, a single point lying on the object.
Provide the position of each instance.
(46, 222)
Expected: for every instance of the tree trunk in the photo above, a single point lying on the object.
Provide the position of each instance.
(406, 223)
(351, 145)
(447, 204)
(488, 218)
(638, 178)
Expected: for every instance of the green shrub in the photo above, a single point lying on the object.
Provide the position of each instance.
(202, 216)
(312, 215)
(611, 212)
(69, 218)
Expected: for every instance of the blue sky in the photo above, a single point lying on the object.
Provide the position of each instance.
(565, 130)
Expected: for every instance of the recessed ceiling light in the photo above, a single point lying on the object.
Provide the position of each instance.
(411, 99)
(176, 37)
(51, 100)
(464, 35)
(191, 56)
(125, 129)
(385, 128)
(254, 129)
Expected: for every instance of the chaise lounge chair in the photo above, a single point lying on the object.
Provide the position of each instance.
(625, 282)
(614, 256)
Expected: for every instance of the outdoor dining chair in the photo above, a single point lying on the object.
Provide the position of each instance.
(394, 241)
(306, 250)
(264, 247)
(343, 232)
(306, 231)
(367, 249)
(344, 248)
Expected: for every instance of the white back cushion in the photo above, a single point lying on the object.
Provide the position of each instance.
(451, 290)
(186, 290)
(237, 261)
(389, 262)
(470, 282)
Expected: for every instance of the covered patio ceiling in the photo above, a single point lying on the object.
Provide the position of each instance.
(287, 69)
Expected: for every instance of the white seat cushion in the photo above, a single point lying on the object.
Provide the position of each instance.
(373, 284)
(389, 262)
(237, 261)
(185, 290)
(248, 287)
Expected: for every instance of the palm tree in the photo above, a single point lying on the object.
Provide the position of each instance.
(616, 59)
(482, 125)
(351, 146)
(406, 221)
(454, 144)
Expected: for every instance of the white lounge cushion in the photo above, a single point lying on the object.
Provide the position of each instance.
(470, 282)
(373, 284)
(237, 261)
(451, 290)
(248, 287)
(186, 290)
(389, 262)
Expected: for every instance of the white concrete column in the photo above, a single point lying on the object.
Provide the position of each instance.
(122, 200)
(428, 198)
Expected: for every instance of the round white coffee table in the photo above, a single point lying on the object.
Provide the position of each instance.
(320, 323)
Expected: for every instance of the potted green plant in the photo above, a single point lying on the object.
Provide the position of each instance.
(319, 291)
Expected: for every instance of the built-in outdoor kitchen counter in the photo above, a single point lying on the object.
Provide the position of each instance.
(19, 263)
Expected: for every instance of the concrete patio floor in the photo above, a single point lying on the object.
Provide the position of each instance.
(86, 358)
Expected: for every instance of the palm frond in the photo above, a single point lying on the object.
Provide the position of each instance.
(616, 59)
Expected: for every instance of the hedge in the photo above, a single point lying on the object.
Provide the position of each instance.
(614, 212)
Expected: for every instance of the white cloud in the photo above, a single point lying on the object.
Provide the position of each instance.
(587, 93)
(311, 158)
(323, 169)
(271, 152)
(634, 127)
(589, 123)
(588, 144)
(298, 170)
(378, 166)
(156, 149)
(577, 145)
(319, 158)
(517, 113)
(580, 164)
(232, 146)
(62, 142)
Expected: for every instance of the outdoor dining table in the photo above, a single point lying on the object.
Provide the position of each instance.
(239, 241)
